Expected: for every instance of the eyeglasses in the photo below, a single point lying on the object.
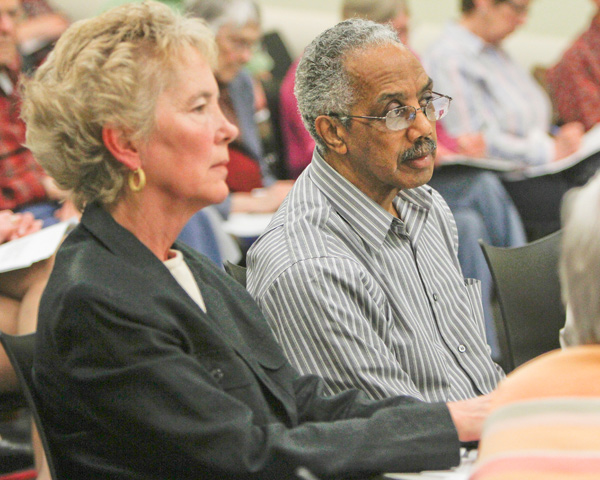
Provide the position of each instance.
(403, 117)
(520, 9)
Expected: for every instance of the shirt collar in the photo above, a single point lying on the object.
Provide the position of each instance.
(371, 222)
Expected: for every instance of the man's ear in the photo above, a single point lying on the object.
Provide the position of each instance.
(332, 132)
(119, 144)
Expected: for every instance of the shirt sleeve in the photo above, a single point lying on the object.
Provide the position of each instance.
(349, 346)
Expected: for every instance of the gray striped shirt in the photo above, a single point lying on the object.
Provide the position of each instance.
(367, 300)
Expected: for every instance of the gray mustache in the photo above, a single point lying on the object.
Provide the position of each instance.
(421, 149)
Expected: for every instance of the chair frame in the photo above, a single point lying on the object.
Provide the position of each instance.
(529, 298)
(19, 349)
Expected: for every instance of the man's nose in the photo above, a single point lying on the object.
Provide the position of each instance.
(421, 127)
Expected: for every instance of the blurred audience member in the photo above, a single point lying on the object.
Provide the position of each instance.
(494, 96)
(574, 82)
(491, 93)
(24, 185)
(546, 414)
(38, 31)
(20, 294)
(236, 24)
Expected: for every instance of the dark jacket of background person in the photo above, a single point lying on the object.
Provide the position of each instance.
(222, 400)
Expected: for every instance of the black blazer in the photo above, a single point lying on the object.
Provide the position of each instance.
(137, 382)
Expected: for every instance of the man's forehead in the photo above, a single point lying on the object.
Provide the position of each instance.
(386, 66)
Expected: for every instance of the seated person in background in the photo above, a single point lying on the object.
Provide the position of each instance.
(23, 184)
(38, 31)
(546, 418)
(20, 293)
(480, 205)
(150, 362)
(574, 82)
(494, 96)
(236, 24)
(357, 273)
(490, 93)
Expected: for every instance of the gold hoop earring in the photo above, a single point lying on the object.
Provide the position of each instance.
(141, 179)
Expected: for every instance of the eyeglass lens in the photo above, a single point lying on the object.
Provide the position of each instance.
(403, 117)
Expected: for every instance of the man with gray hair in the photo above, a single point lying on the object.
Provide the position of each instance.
(358, 272)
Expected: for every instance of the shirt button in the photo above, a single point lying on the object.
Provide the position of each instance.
(217, 374)
(435, 297)
(462, 348)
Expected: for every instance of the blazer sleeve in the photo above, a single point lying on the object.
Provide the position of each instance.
(154, 404)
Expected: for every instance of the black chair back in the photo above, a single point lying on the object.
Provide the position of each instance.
(528, 291)
(19, 349)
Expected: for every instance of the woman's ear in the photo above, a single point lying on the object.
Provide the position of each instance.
(119, 144)
(332, 132)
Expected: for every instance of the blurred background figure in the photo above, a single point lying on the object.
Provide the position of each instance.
(481, 207)
(496, 97)
(574, 82)
(236, 24)
(546, 414)
(20, 294)
(491, 93)
(24, 184)
(37, 32)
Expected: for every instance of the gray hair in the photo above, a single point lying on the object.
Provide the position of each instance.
(580, 260)
(224, 12)
(322, 84)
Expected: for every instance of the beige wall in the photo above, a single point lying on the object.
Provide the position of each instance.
(551, 26)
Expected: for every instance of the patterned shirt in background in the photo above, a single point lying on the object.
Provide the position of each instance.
(491, 94)
(20, 175)
(367, 300)
(575, 80)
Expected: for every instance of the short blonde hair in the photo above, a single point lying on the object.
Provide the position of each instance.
(107, 70)
(580, 260)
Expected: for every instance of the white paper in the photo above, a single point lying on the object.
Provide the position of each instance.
(590, 144)
(495, 164)
(25, 251)
(247, 225)
(460, 472)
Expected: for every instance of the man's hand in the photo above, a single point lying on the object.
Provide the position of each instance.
(468, 416)
(472, 145)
